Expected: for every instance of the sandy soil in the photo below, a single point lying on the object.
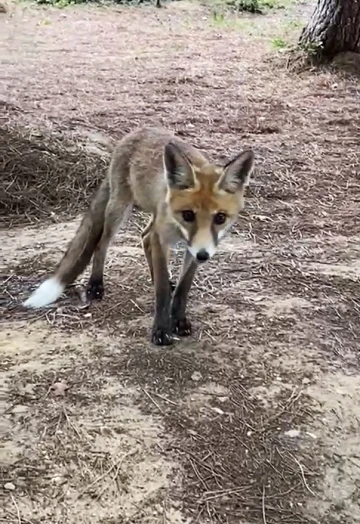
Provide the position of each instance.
(255, 418)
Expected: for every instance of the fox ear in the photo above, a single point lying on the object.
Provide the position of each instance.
(178, 170)
(237, 172)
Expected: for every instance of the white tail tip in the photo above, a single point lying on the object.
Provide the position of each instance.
(45, 294)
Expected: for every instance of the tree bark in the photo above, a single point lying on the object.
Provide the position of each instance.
(333, 28)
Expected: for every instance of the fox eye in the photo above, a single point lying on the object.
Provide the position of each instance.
(188, 215)
(219, 219)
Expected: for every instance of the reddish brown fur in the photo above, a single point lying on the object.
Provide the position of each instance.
(206, 196)
(164, 176)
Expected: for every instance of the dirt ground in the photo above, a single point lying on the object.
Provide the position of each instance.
(255, 418)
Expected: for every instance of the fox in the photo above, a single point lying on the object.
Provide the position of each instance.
(188, 198)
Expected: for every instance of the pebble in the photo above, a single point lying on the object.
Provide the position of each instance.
(292, 433)
(19, 409)
(9, 486)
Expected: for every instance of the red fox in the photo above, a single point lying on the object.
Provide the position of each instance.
(188, 198)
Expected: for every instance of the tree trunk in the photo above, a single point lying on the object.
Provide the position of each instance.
(333, 28)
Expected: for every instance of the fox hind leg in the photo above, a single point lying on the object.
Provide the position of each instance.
(115, 214)
(146, 242)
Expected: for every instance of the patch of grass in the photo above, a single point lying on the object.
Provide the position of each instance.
(218, 17)
(274, 4)
(279, 43)
(287, 35)
(66, 3)
(222, 18)
(250, 6)
(58, 3)
(295, 23)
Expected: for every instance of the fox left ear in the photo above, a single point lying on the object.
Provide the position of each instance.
(178, 170)
(237, 172)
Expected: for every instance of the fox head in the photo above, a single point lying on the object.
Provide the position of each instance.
(205, 201)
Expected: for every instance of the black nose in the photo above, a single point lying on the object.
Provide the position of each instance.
(202, 255)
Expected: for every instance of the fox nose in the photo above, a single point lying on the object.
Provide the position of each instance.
(202, 255)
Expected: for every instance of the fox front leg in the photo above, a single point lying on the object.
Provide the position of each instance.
(146, 241)
(162, 327)
(181, 325)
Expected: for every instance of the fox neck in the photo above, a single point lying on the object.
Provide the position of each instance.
(167, 227)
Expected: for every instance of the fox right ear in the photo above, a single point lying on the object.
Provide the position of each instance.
(237, 172)
(178, 170)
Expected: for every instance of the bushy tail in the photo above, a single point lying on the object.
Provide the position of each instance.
(78, 254)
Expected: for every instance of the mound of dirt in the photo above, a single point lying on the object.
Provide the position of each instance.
(45, 175)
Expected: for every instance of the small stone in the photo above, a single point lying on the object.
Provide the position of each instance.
(292, 433)
(218, 411)
(19, 409)
(196, 376)
(57, 479)
(59, 388)
(9, 486)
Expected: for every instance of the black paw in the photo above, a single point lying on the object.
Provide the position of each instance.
(95, 290)
(182, 327)
(161, 336)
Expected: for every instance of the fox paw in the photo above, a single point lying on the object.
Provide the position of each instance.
(95, 289)
(182, 327)
(161, 336)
